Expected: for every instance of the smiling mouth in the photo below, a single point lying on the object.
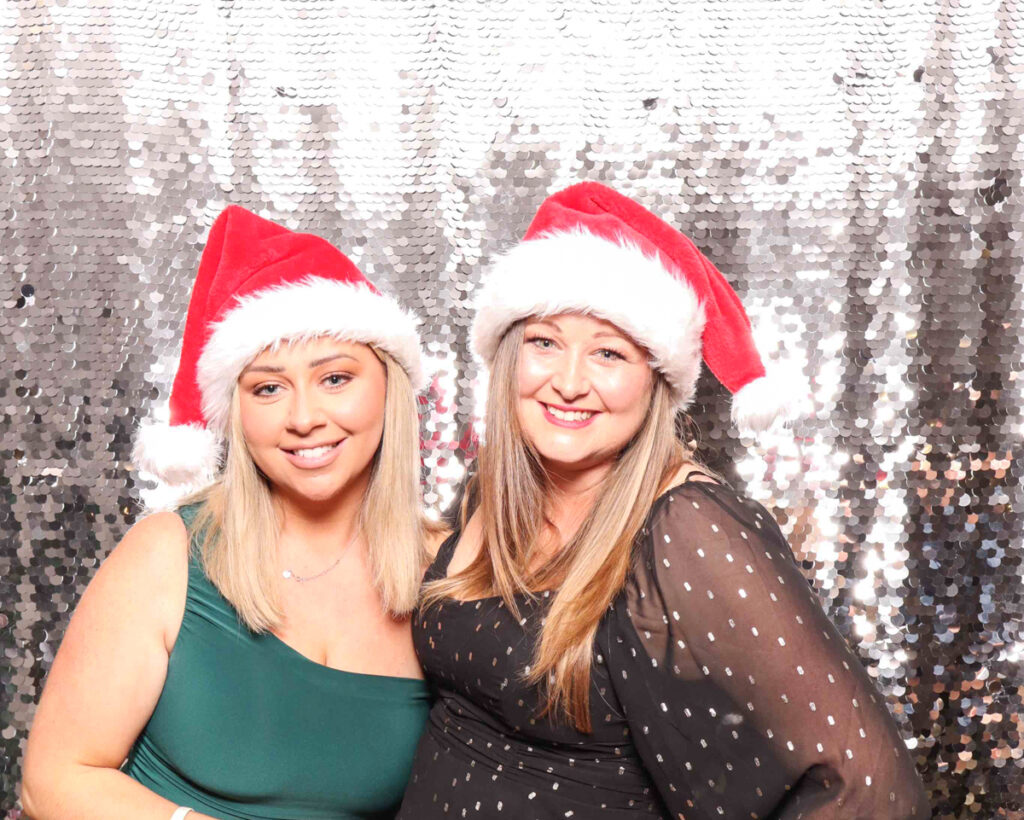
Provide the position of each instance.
(571, 416)
(312, 453)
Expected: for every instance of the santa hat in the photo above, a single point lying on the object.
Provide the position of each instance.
(260, 284)
(592, 250)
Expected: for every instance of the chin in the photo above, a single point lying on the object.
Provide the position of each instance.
(567, 460)
(315, 493)
(307, 486)
(560, 455)
(574, 456)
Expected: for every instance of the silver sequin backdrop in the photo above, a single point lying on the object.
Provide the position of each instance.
(853, 167)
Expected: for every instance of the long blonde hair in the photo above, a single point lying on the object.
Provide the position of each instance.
(591, 569)
(240, 524)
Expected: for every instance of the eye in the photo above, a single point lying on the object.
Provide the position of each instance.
(609, 355)
(541, 342)
(337, 379)
(266, 389)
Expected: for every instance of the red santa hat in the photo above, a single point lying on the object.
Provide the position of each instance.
(260, 284)
(590, 249)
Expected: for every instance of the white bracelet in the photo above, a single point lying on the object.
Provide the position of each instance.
(180, 812)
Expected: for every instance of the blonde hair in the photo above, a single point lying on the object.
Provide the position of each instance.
(591, 569)
(240, 524)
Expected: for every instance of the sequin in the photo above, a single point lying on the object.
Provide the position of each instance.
(864, 199)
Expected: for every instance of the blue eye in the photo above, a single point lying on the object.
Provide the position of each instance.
(266, 389)
(337, 379)
(543, 342)
(610, 355)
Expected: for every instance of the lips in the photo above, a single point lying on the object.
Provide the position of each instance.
(313, 452)
(310, 458)
(570, 417)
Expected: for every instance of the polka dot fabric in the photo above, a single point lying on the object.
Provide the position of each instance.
(485, 752)
(720, 690)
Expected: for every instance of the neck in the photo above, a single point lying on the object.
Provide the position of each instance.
(321, 522)
(571, 496)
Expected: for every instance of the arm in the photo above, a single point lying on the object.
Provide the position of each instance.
(780, 716)
(106, 680)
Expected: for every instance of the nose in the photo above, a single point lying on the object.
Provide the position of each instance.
(570, 378)
(304, 414)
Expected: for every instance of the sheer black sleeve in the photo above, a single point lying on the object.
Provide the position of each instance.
(743, 699)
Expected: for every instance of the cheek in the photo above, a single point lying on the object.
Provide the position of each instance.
(627, 389)
(260, 423)
(362, 411)
(533, 373)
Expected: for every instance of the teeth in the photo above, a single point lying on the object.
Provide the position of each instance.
(314, 452)
(569, 415)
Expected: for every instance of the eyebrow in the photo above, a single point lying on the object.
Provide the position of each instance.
(262, 368)
(331, 358)
(611, 334)
(265, 368)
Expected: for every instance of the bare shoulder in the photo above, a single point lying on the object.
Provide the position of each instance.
(470, 543)
(112, 662)
(689, 472)
(153, 545)
(146, 573)
(435, 538)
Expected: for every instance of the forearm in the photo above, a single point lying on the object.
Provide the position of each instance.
(79, 792)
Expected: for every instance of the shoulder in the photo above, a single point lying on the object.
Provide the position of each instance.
(145, 577)
(467, 545)
(711, 537)
(154, 543)
(434, 538)
(151, 560)
(702, 511)
(689, 472)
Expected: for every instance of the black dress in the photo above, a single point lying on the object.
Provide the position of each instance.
(719, 690)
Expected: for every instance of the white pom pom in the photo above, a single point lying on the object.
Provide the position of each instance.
(781, 395)
(177, 455)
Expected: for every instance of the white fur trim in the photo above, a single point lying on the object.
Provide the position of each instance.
(183, 454)
(578, 271)
(299, 312)
(781, 395)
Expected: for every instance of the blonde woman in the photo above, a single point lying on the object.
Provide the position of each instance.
(249, 656)
(613, 631)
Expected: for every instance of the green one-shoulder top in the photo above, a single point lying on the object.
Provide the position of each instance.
(247, 727)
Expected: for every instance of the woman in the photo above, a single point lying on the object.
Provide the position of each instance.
(613, 632)
(250, 654)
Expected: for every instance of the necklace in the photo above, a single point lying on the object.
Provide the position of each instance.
(288, 575)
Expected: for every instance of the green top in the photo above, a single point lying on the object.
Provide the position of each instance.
(247, 727)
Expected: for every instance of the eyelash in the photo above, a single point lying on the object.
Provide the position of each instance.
(544, 343)
(345, 379)
(262, 389)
